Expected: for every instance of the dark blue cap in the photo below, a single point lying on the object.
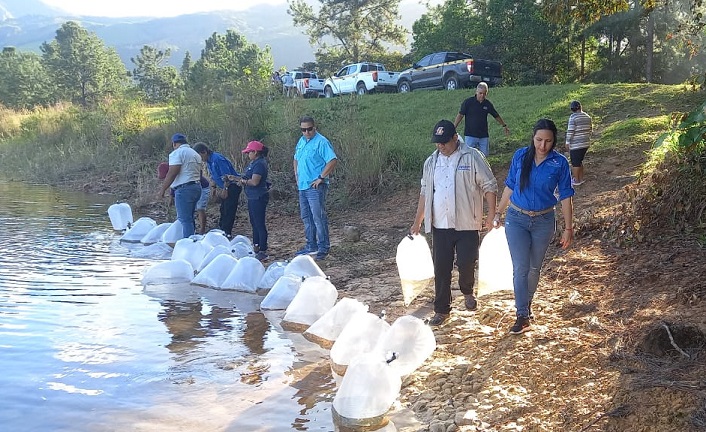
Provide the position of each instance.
(179, 138)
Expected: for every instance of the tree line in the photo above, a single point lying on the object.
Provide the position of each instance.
(77, 67)
(538, 42)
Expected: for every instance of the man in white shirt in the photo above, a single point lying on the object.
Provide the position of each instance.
(455, 181)
(183, 177)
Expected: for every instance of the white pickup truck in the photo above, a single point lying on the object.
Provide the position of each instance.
(308, 84)
(359, 78)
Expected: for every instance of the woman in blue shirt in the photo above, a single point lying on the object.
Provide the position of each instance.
(257, 191)
(535, 173)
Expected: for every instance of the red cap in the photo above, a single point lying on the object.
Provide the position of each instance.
(254, 146)
(162, 170)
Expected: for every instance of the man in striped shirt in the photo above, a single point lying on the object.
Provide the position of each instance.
(578, 138)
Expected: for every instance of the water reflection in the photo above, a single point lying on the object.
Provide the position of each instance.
(82, 342)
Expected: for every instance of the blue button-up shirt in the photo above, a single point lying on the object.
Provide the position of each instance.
(312, 156)
(552, 173)
(219, 166)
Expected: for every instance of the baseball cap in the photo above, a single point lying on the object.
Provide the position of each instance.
(443, 131)
(178, 138)
(575, 105)
(162, 170)
(254, 146)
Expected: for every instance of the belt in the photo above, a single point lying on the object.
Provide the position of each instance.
(531, 213)
(186, 184)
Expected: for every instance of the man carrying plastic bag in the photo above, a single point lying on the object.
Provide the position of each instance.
(454, 182)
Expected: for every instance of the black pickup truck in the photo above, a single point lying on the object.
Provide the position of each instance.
(449, 70)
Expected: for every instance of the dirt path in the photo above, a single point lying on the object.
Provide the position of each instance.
(578, 369)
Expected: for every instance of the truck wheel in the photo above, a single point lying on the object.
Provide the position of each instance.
(360, 89)
(328, 92)
(404, 87)
(451, 83)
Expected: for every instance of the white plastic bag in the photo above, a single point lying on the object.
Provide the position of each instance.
(494, 263)
(415, 266)
(282, 293)
(191, 250)
(216, 272)
(273, 272)
(304, 266)
(359, 336)
(327, 328)
(138, 230)
(173, 234)
(315, 297)
(216, 238)
(367, 391)
(120, 215)
(172, 271)
(245, 276)
(212, 254)
(410, 340)
(155, 234)
(158, 250)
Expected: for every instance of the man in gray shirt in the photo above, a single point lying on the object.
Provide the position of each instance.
(578, 139)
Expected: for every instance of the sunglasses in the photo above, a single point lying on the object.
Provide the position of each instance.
(307, 129)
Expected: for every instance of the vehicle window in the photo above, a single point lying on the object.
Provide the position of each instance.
(438, 58)
(342, 72)
(425, 61)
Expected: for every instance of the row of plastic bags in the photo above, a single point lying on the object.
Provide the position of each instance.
(371, 355)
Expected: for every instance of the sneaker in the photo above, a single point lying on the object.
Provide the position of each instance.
(522, 324)
(576, 183)
(320, 256)
(438, 319)
(471, 302)
(305, 251)
(262, 256)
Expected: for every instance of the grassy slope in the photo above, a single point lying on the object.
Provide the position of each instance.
(624, 115)
(374, 132)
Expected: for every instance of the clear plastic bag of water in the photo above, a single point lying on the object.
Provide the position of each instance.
(415, 266)
(494, 263)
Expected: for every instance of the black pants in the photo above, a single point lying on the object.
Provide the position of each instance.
(229, 207)
(447, 243)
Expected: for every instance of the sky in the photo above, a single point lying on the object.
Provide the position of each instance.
(152, 8)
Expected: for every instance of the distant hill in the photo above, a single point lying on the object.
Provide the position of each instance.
(26, 24)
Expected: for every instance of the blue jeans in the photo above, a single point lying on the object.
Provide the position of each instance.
(528, 238)
(482, 144)
(312, 207)
(185, 199)
(256, 211)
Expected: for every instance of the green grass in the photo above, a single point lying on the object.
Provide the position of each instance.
(382, 139)
(625, 115)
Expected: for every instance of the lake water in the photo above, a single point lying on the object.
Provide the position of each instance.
(85, 347)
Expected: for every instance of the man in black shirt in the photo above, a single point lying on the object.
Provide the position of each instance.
(476, 110)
